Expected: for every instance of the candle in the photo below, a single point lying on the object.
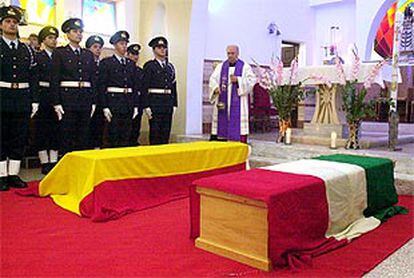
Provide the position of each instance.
(333, 140)
(288, 136)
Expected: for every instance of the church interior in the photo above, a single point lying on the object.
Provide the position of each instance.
(249, 138)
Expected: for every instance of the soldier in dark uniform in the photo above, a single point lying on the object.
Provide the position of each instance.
(94, 44)
(47, 141)
(160, 92)
(118, 88)
(73, 88)
(18, 97)
(133, 54)
(34, 42)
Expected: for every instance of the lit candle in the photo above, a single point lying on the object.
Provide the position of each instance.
(288, 136)
(333, 140)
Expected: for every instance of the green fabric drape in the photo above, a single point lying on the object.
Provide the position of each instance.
(379, 172)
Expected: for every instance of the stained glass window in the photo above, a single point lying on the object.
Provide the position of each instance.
(38, 11)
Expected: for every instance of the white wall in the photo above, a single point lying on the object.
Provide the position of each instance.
(196, 55)
(341, 14)
(245, 22)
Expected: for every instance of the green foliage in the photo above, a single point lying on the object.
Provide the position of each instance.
(285, 98)
(354, 105)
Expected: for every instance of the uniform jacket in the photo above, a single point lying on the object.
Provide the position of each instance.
(17, 66)
(157, 77)
(67, 66)
(113, 74)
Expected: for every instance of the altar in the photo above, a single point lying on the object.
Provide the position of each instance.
(328, 115)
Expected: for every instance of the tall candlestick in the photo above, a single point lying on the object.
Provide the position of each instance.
(333, 140)
(288, 137)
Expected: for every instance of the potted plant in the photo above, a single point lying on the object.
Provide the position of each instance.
(285, 94)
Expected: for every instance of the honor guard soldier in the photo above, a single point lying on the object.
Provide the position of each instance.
(118, 87)
(160, 92)
(94, 44)
(133, 54)
(47, 141)
(18, 97)
(34, 42)
(73, 87)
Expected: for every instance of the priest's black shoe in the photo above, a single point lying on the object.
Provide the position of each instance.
(4, 185)
(16, 182)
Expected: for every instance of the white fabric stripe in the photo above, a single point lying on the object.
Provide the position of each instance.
(359, 227)
(345, 191)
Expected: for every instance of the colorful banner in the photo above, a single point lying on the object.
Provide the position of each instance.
(406, 32)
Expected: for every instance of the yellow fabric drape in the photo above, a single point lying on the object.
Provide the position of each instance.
(78, 173)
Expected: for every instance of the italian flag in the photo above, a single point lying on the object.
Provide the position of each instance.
(314, 205)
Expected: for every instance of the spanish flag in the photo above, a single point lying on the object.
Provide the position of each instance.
(107, 184)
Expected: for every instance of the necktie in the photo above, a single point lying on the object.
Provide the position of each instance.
(77, 53)
(163, 65)
(13, 45)
(123, 62)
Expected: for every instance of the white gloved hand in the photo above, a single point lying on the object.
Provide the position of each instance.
(107, 114)
(174, 109)
(148, 112)
(93, 110)
(35, 108)
(59, 111)
(135, 114)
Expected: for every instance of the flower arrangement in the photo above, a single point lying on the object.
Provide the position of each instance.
(285, 95)
(354, 105)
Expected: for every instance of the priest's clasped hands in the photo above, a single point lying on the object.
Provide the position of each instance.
(233, 78)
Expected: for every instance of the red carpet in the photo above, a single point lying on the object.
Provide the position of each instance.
(40, 239)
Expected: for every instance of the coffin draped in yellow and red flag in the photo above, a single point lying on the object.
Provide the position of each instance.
(107, 184)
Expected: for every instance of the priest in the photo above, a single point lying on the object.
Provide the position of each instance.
(230, 85)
